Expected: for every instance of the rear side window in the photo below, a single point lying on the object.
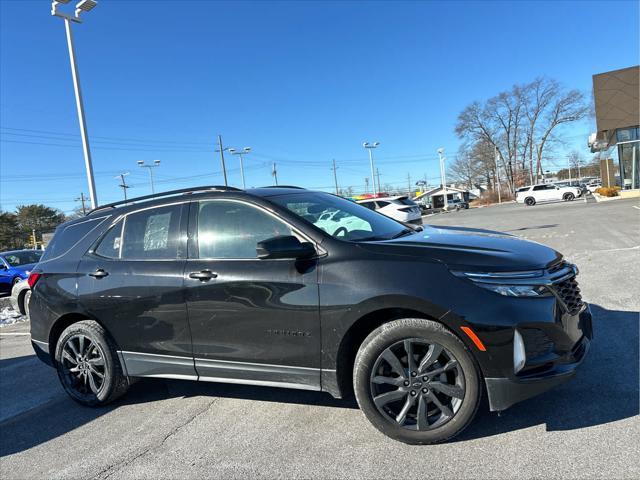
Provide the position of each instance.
(406, 201)
(539, 187)
(382, 204)
(152, 234)
(67, 236)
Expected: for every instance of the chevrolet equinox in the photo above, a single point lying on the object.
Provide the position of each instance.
(217, 284)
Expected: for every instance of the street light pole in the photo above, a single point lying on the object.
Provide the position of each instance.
(443, 178)
(240, 153)
(82, 6)
(156, 163)
(370, 147)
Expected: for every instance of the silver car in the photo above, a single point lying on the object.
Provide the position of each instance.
(20, 296)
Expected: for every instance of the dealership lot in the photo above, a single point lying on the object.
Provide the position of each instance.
(181, 429)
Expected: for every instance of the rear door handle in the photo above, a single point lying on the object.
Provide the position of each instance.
(99, 273)
(203, 275)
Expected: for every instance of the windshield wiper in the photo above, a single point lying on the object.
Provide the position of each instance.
(402, 233)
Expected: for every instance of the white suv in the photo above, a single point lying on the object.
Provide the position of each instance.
(546, 192)
(399, 208)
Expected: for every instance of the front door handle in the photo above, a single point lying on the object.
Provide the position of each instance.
(203, 275)
(99, 273)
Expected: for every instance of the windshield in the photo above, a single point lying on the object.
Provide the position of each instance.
(339, 217)
(15, 259)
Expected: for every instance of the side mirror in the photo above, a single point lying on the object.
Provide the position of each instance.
(284, 246)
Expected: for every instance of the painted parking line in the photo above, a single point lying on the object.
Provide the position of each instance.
(635, 206)
(13, 334)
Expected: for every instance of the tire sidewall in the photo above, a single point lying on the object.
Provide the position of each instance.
(25, 302)
(95, 333)
(398, 330)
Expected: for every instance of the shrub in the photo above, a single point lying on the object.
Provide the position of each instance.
(608, 191)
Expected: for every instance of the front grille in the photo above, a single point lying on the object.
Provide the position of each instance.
(569, 293)
(536, 342)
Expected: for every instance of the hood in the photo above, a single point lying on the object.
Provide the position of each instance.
(471, 248)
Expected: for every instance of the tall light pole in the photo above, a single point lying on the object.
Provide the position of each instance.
(156, 163)
(244, 151)
(370, 146)
(82, 6)
(443, 177)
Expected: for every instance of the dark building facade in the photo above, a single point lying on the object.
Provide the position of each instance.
(617, 107)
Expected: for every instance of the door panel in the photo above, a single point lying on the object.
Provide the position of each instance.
(255, 321)
(133, 283)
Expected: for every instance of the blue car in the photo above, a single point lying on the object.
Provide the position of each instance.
(16, 265)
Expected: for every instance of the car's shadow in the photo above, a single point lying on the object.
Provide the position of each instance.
(604, 390)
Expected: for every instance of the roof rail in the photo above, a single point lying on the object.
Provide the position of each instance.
(284, 186)
(220, 188)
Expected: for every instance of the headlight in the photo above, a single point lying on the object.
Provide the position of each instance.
(516, 290)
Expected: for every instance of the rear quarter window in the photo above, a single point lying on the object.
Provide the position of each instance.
(67, 236)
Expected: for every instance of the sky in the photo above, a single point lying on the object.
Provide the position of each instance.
(301, 83)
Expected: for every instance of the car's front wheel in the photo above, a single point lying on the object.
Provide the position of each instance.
(25, 302)
(530, 201)
(416, 381)
(88, 365)
(569, 197)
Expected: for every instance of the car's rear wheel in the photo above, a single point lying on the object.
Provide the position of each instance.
(88, 365)
(530, 201)
(416, 381)
(569, 197)
(25, 302)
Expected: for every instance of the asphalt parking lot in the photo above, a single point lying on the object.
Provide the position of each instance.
(173, 429)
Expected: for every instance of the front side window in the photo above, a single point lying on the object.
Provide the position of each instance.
(232, 230)
(351, 221)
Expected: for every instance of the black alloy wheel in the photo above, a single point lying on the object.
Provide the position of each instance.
(569, 197)
(417, 384)
(88, 365)
(416, 381)
(530, 201)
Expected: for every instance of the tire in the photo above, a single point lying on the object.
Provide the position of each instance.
(433, 416)
(85, 345)
(568, 197)
(530, 201)
(25, 302)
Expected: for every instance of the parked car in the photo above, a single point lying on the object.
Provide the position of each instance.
(593, 186)
(225, 285)
(546, 192)
(400, 208)
(458, 204)
(424, 205)
(16, 265)
(20, 296)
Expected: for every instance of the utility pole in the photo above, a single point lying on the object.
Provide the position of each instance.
(82, 6)
(274, 173)
(495, 155)
(377, 175)
(244, 151)
(569, 163)
(409, 185)
(443, 179)
(123, 185)
(221, 150)
(82, 199)
(366, 184)
(335, 175)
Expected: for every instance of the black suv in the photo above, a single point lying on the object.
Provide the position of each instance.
(225, 285)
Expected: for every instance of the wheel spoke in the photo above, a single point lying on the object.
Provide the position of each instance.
(446, 411)
(450, 364)
(394, 362)
(98, 361)
(449, 390)
(95, 372)
(74, 369)
(423, 422)
(81, 344)
(383, 399)
(67, 356)
(402, 416)
(92, 383)
(380, 380)
(411, 363)
(430, 357)
(72, 347)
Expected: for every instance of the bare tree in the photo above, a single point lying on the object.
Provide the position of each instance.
(520, 125)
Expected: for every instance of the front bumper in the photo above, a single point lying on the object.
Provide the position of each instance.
(505, 392)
